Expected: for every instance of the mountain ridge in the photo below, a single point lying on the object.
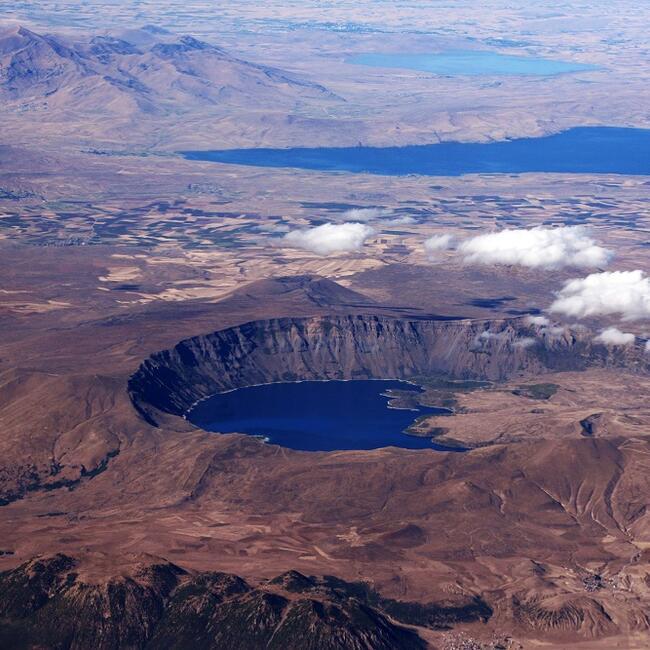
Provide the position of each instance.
(115, 75)
(45, 602)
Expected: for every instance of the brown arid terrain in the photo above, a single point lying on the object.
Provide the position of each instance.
(134, 283)
(543, 526)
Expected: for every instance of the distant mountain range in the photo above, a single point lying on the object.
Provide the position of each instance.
(146, 71)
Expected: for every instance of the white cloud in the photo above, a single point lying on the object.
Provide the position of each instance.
(540, 321)
(486, 335)
(554, 330)
(549, 248)
(387, 217)
(273, 227)
(364, 214)
(524, 342)
(614, 336)
(617, 292)
(647, 347)
(330, 238)
(438, 243)
(399, 221)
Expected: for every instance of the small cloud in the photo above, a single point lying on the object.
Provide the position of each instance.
(438, 243)
(524, 342)
(552, 330)
(273, 227)
(539, 321)
(365, 214)
(487, 335)
(614, 336)
(399, 221)
(549, 248)
(330, 238)
(626, 293)
(544, 325)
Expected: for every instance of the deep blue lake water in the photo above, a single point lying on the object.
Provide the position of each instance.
(588, 150)
(316, 415)
(471, 62)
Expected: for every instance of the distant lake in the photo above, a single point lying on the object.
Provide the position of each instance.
(582, 150)
(316, 415)
(472, 62)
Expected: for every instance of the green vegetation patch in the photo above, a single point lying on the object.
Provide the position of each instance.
(536, 391)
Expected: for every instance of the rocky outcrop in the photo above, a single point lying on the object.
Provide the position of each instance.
(592, 425)
(353, 347)
(564, 614)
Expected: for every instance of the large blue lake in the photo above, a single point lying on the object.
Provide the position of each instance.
(316, 415)
(582, 150)
(472, 63)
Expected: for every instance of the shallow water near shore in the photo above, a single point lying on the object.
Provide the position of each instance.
(317, 415)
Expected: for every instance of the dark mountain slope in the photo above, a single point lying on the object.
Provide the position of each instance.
(45, 604)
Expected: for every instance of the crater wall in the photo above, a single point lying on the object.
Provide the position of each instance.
(350, 347)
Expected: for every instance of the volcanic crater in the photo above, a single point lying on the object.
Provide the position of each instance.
(349, 347)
